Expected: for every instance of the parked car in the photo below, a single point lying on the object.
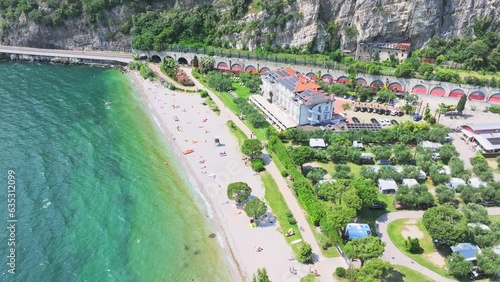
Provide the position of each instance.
(374, 120)
(488, 203)
(411, 162)
(363, 109)
(394, 122)
(362, 99)
(355, 120)
(369, 99)
(356, 109)
(400, 113)
(384, 122)
(476, 275)
(392, 103)
(385, 162)
(378, 205)
(451, 114)
(399, 206)
(381, 112)
(370, 110)
(436, 156)
(417, 118)
(394, 112)
(352, 98)
(387, 112)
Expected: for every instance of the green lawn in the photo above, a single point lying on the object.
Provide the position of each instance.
(236, 131)
(211, 104)
(241, 91)
(394, 230)
(308, 278)
(494, 218)
(280, 209)
(403, 273)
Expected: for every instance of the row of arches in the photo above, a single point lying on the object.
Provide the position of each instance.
(328, 78)
(476, 95)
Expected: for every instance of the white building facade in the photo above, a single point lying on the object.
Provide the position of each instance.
(297, 96)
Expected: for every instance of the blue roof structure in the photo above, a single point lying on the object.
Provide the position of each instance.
(357, 231)
(467, 250)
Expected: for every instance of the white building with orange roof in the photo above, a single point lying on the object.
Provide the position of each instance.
(300, 98)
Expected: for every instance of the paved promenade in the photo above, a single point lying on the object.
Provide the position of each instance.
(123, 57)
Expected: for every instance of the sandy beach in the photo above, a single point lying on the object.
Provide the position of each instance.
(189, 125)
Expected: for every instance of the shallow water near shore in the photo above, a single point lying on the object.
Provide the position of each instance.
(99, 194)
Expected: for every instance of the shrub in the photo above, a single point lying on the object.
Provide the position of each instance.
(284, 173)
(340, 272)
(305, 254)
(290, 218)
(412, 245)
(258, 165)
(203, 93)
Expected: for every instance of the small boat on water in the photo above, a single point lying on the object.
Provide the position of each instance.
(187, 152)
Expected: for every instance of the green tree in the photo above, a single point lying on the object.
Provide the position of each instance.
(470, 194)
(489, 261)
(445, 224)
(336, 219)
(374, 270)
(206, 64)
(255, 208)
(446, 152)
(261, 276)
(382, 152)
(316, 174)
(252, 148)
(412, 245)
(352, 200)
(301, 155)
(475, 213)
(405, 70)
(219, 81)
(405, 196)
(458, 266)
(402, 153)
(461, 104)
(195, 64)
(305, 254)
(238, 191)
(365, 248)
(444, 194)
(437, 175)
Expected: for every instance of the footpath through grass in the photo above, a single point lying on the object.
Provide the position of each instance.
(394, 230)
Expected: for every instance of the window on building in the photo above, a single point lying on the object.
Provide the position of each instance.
(319, 109)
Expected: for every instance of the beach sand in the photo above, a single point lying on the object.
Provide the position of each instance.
(189, 125)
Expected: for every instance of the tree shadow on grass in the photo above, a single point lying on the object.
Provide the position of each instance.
(396, 276)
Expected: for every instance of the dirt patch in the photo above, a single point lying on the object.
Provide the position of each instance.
(412, 231)
(436, 259)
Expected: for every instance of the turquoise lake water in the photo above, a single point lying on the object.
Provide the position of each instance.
(95, 200)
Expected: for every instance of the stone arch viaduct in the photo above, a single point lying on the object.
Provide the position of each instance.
(415, 86)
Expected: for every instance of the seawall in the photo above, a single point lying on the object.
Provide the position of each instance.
(61, 60)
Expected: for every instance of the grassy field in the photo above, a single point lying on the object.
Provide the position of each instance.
(236, 131)
(309, 278)
(241, 91)
(403, 273)
(280, 209)
(494, 218)
(211, 104)
(394, 230)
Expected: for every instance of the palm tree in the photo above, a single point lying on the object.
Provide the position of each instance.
(408, 108)
(441, 110)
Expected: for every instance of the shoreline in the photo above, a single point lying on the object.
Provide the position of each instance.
(189, 125)
(195, 182)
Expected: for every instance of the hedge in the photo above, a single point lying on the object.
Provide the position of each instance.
(300, 183)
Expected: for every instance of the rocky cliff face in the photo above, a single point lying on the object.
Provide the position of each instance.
(414, 21)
